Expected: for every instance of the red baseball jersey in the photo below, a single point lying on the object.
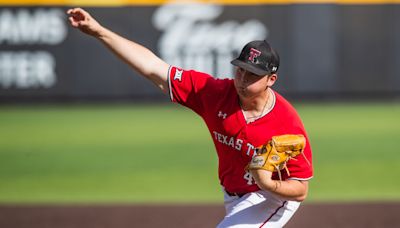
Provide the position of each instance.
(235, 140)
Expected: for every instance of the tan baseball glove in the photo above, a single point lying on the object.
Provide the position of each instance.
(274, 155)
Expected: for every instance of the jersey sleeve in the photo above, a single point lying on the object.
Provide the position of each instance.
(189, 88)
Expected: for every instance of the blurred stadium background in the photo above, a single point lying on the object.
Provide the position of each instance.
(77, 126)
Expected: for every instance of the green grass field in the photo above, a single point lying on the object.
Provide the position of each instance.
(163, 153)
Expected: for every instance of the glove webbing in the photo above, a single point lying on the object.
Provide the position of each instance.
(285, 165)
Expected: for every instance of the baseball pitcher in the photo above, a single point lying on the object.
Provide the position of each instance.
(264, 154)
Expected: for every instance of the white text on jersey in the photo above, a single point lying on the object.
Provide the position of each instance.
(229, 141)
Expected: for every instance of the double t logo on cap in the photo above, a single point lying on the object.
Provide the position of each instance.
(258, 57)
(254, 53)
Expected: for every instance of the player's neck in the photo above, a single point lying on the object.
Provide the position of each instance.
(255, 104)
(254, 109)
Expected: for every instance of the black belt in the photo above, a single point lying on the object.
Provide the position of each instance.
(235, 194)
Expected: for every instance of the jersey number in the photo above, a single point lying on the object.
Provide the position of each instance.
(247, 176)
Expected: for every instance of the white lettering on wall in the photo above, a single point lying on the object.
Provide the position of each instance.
(24, 70)
(41, 26)
(192, 40)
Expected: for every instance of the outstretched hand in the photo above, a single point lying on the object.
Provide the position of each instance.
(82, 20)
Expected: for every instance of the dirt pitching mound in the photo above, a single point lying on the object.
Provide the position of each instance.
(366, 215)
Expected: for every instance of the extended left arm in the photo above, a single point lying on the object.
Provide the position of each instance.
(290, 189)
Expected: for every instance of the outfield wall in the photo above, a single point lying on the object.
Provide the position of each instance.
(329, 49)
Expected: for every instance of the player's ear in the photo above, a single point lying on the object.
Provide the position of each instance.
(271, 79)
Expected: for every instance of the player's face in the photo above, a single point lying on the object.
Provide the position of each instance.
(248, 84)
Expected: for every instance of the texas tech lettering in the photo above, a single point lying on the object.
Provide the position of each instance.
(228, 140)
(235, 143)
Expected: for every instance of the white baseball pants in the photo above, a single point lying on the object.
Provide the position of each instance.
(257, 209)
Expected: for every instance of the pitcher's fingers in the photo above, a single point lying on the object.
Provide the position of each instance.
(84, 14)
(71, 11)
(73, 22)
